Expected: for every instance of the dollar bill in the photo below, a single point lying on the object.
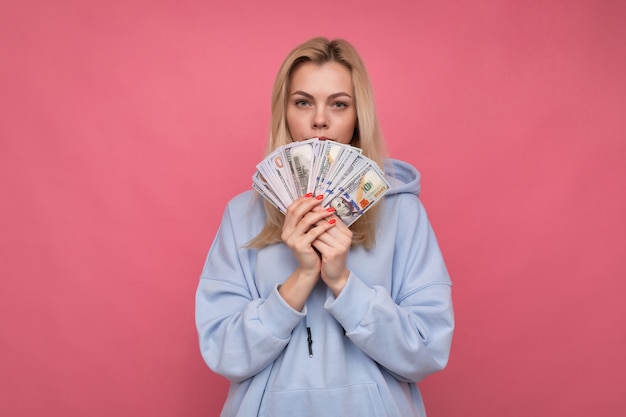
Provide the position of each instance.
(300, 158)
(344, 168)
(277, 174)
(359, 193)
(260, 184)
(333, 155)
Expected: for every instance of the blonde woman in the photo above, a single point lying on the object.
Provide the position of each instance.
(304, 315)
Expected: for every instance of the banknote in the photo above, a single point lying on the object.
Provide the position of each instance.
(276, 173)
(349, 182)
(260, 184)
(344, 168)
(300, 158)
(355, 196)
(333, 155)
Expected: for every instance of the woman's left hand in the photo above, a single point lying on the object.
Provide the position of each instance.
(333, 246)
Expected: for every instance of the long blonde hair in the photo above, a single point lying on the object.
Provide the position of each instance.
(366, 135)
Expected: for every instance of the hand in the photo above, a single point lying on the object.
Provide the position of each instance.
(304, 223)
(334, 245)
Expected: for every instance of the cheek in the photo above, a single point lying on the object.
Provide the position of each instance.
(347, 129)
(352, 127)
(349, 119)
(293, 123)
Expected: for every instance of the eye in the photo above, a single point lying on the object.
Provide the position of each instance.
(301, 103)
(339, 105)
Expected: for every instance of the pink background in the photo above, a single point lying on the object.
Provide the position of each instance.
(125, 126)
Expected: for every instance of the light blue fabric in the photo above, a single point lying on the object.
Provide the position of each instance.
(390, 327)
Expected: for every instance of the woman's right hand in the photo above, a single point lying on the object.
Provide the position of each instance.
(301, 228)
(305, 221)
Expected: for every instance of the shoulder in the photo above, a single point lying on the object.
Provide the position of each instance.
(245, 202)
(404, 207)
(244, 213)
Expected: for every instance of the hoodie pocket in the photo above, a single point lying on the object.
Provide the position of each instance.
(361, 400)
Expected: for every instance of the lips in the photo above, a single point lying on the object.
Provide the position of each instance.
(322, 138)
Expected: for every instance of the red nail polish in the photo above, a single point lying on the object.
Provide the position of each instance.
(332, 221)
(308, 195)
(319, 197)
(330, 210)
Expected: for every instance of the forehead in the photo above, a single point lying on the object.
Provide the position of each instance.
(330, 76)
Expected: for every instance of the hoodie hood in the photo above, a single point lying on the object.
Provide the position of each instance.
(402, 177)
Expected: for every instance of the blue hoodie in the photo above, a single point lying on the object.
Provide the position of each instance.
(390, 327)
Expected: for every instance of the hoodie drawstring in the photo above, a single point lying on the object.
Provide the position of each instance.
(309, 338)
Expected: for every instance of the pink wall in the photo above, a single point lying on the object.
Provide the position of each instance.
(125, 126)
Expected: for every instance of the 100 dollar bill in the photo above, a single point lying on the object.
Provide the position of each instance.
(358, 194)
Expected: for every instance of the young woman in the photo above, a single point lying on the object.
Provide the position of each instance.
(305, 316)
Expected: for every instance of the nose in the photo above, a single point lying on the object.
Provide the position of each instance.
(320, 121)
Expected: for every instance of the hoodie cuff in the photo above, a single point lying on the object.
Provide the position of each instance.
(352, 304)
(278, 317)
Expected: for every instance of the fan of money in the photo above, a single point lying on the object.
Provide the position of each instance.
(350, 182)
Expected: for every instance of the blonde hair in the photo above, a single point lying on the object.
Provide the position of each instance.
(366, 135)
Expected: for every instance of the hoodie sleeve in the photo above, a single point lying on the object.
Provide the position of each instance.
(239, 333)
(408, 330)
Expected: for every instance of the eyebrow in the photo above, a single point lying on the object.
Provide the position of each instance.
(332, 96)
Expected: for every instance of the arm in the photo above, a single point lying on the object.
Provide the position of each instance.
(239, 332)
(410, 332)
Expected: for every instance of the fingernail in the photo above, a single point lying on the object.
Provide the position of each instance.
(330, 209)
(332, 221)
(319, 197)
(308, 195)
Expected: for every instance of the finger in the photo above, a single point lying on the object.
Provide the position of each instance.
(307, 230)
(301, 206)
(317, 216)
(337, 237)
(335, 243)
(319, 229)
(295, 213)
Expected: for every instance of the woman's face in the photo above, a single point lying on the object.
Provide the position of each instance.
(320, 103)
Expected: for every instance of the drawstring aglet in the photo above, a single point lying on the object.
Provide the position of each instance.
(309, 339)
